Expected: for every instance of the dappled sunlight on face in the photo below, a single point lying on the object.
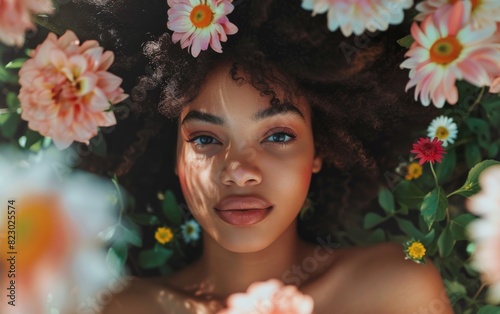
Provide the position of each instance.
(231, 142)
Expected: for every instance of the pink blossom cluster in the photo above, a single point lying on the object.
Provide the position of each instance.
(485, 231)
(66, 90)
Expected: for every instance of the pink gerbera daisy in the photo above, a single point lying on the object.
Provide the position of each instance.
(428, 151)
(198, 23)
(356, 16)
(484, 12)
(447, 49)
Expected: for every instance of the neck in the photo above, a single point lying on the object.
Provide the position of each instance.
(228, 272)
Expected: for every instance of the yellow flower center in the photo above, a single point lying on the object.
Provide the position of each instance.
(442, 133)
(163, 235)
(414, 171)
(201, 16)
(416, 250)
(445, 50)
(475, 3)
(38, 230)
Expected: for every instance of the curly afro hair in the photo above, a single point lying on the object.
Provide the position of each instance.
(362, 118)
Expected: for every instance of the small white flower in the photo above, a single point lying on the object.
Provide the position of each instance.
(444, 129)
(190, 231)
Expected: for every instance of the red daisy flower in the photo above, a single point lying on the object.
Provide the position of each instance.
(428, 151)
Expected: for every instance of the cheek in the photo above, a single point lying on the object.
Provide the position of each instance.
(196, 180)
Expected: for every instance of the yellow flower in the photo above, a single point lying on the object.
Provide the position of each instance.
(163, 235)
(415, 251)
(414, 171)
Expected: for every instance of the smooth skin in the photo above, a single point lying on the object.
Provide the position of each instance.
(229, 144)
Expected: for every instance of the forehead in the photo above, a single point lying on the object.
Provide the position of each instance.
(222, 95)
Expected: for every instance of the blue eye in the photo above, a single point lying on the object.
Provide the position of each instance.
(203, 140)
(281, 138)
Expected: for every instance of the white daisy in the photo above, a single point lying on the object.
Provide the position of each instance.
(444, 129)
(190, 231)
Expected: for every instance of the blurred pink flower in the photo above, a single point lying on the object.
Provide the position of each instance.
(15, 18)
(270, 297)
(65, 89)
(198, 23)
(495, 86)
(483, 12)
(356, 16)
(60, 259)
(485, 231)
(447, 49)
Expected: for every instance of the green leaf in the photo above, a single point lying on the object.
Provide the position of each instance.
(10, 124)
(434, 206)
(32, 137)
(372, 219)
(481, 129)
(154, 258)
(406, 41)
(458, 226)
(428, 238)
(492, 108)
(117, 256)
(7, 77)
(408, 194)
(171, 209)
(99, 146)
(145, 219)
(489, 309)
(493, 150)
(131, 236)
(15, 64)
(472, 154)
(409, 229)
(386, 200)
(445, 242)
(471, 185)
(377, 236)
(445, 169)
(455, 290)
(12, 101)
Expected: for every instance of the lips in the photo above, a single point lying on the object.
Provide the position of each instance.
(243, 210)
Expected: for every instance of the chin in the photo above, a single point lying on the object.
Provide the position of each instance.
(250, 243)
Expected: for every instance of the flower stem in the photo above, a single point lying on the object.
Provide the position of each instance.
(478, 291)
(44, 22)
(477, 101)
(120, 200)
(434, 174)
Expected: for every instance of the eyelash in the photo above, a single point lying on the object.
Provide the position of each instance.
(287, 133)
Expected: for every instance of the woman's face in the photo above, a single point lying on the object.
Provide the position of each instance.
(232, 144)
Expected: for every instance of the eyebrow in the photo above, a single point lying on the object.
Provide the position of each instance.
(195, 115)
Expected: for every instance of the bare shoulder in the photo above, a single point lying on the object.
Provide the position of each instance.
(389, 283)
(135, 298)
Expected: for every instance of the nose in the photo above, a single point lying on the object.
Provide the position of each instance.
(236, 173)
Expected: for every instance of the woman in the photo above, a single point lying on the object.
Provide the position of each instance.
(253, 125)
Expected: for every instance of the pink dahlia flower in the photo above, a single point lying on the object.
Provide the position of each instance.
(483, 12)
(199, 23)
(356, 16)
(485, 231)
(447, 49)
(65, 89)
(15, 18)
(270, 297)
